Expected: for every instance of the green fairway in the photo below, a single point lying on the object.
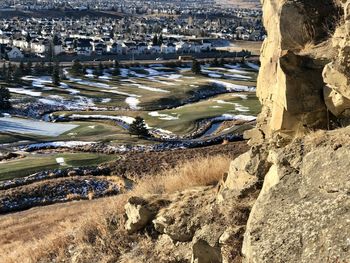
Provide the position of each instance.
(35, 163)
(185, 119)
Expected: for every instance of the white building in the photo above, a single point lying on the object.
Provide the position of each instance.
(39, 47)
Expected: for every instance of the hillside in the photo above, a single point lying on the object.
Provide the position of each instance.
(286, 199)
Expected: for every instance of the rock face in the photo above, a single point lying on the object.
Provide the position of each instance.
(336, 74)
(302, 214)
(290, 83)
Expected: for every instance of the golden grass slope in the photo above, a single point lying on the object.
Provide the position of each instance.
(93, 230)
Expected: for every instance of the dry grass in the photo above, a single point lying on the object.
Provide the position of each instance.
(93, 231)
(199, 172)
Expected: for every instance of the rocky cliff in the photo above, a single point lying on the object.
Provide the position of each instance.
(288, 198)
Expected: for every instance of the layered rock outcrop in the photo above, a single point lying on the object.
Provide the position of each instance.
(290, 83)
(294, 182)
(302, 212)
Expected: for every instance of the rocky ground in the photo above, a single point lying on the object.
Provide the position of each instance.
(300, 214)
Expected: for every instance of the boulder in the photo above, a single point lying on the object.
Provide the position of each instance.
(206, 248)
(238, 182)
(229, 241)
(138, 214)
(336, 103)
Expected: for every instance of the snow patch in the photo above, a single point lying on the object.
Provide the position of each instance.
(230, 117)
(163, 116)
(25, 92)
(232, 87)
(125, 119)
(133, 102)
(252, 65)
(139, 86)
(68, 144)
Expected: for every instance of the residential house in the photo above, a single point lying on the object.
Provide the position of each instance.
(84, 47)
(154, 49)
(182, 47)
(168, 48)
(14, 53)
(115, 48)
(142, 48)
(40, 46)
(129, 47)
(100, 48)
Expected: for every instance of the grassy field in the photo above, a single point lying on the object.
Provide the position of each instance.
(97, 131)
(156, 94)
(185, 118)
(156, 88)
(35, 163)
(253, 46)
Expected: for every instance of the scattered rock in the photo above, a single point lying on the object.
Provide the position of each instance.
(138, 214)
(206, 247)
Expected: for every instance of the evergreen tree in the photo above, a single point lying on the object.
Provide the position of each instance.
(84, 69)
(138, 127)
(28, 69)
(5, 96)
(22, 68)
(37, 69)
(221, 62)
(155, 40)
(9, 73)
(160, 40)
(116, 70)
(28, 38)
(215, 62)
(50, 68)
(56, 74)
(77, 68)
(100, 69)
(4, 71)
(196, 67)
(42, 67)
(17, 74)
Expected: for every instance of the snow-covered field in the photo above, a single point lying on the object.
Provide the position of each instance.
(154, 87)
(25, 126)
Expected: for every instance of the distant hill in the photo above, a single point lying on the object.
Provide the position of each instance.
(241, 3)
